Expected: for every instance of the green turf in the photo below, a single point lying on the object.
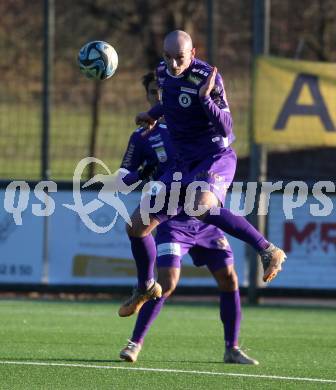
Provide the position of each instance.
(291, 342)
(20, 130)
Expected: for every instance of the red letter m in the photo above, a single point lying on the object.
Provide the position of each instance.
(292, 232)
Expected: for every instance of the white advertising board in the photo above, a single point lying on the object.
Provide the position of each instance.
(21, 245)
(77, 255)
(310, 244)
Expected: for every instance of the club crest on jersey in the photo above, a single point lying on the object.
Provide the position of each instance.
(161, 154)
(184, 100)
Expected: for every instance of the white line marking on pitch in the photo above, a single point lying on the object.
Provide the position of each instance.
(289, 378)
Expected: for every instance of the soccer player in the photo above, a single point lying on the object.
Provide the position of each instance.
(148, 155)
(198, 117)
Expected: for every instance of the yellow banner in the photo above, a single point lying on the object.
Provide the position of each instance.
(294, 102)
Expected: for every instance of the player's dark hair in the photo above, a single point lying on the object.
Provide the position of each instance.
(147, 79)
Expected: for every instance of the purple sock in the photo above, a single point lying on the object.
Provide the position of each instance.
(146, 316)
(230, 313)
(238, 227)
(144, 253)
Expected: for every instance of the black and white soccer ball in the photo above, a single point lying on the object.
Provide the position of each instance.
(98, 60)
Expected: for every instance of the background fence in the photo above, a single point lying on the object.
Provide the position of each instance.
(222, 32)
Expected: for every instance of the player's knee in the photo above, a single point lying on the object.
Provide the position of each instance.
(228, 280)
(200, 210)
(203, 215)
(205, 201)
(168, 287)
(137, 229)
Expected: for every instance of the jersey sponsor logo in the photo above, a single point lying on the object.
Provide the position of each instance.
(184, 100)
(190, 90)
(155, 138)
(169, 248)
(161, 154)
(194, 79)
(158, 144)
(200, 71)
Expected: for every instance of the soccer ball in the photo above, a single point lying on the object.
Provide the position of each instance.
(98, 60)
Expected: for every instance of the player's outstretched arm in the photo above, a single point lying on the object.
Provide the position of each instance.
(213, 99)
(148, 119)
(133, 158)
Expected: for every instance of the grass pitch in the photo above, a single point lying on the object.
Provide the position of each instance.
(75, 345)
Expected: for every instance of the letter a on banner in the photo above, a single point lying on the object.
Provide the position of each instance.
(294, 102)
(292, 107)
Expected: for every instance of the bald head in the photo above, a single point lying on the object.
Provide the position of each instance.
(178, 51)
(178, 41)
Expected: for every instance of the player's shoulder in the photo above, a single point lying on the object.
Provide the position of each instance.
(138, 133)
(200, 67)
(161, 72)
(161, 68)
(159, 129)
(156, 132)
(202, 70)
(199, 72)
(142, 134)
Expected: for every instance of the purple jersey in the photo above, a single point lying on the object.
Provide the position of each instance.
(198, 126)
(153, 148)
